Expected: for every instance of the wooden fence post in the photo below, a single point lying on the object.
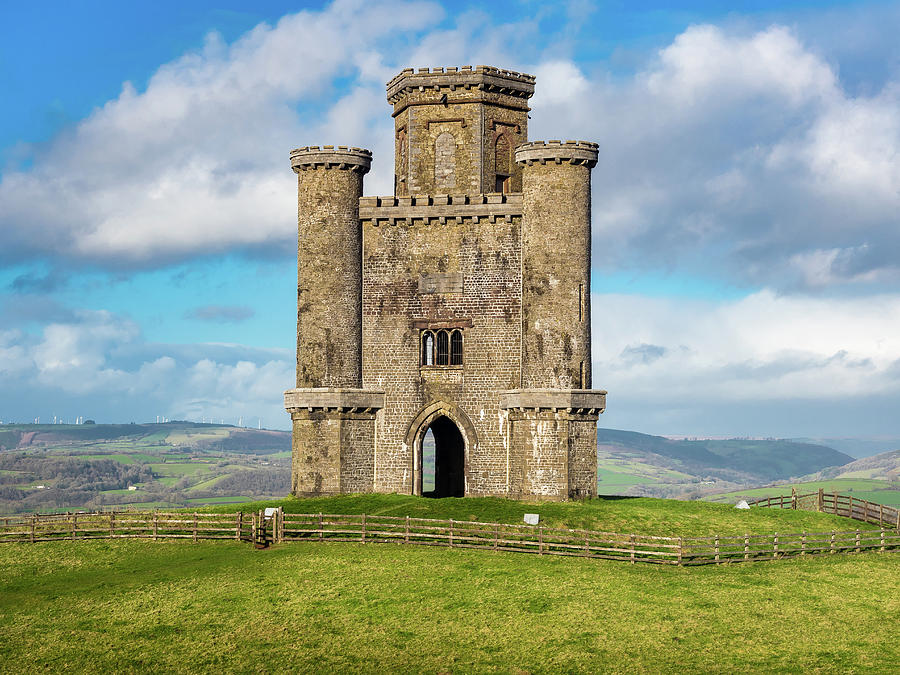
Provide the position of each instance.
(406, 532)
(155, 524)
(746, 546)
(321, 527)
(364, 528)
(882, 539)
(793, 498)
(74, 525)
(803, 543)
(238, 521)
(832, 542)
(112, 524)
(680, 550)
(33, 523)
(717, 549)
(541, 540)
(775, 546)
(195, 527)
(451, 533)
(496, 536)
(857, 540)
(835, 503)
(632, 548)
(820, 502)
(587, 546)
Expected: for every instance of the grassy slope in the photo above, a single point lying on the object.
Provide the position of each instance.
(639, 515)
(214, 607)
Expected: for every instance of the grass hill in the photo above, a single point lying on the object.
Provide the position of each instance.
(126, 605)
(60, 467)
(653, 465)
(876, 479)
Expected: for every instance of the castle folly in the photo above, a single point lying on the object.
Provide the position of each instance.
(459, 304)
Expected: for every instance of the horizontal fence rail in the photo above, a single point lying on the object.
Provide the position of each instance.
(274, 526)
(836, 503)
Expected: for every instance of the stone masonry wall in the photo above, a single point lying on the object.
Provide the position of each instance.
(398, 253)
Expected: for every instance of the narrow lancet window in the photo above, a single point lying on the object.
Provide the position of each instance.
(456, 348)
(443, 348)
(428, 348)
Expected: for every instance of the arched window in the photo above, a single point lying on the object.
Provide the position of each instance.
(456, 348)
(427, 348)
(445, 162)
(442, 347)
(502, 163)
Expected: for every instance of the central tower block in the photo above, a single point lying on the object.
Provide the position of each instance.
(455, 129)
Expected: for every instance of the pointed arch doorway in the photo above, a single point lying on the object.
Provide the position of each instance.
(442, 438)
(443, 460)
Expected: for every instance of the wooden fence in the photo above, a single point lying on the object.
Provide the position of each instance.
(838, 504)
(275, 526)
(128, 525)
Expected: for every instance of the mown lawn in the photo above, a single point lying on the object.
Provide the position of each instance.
(307, 607)
(627, 515)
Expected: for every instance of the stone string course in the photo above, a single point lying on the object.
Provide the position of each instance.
(480, 237)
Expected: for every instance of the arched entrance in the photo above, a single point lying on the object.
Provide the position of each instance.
(445, 462)
(446, 465)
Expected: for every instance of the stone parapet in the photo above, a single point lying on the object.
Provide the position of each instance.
(331, 157)
(486, 78)
(333, 399)
(581, 401)
(572, 152)
(439, 208)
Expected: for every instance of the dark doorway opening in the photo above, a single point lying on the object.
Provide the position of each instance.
(446, 462)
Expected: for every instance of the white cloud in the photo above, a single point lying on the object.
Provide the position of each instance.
(762, 347)
(197, 162)
(741, 155)
(101, 356)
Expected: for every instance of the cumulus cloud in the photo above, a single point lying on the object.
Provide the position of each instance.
(761, 347)
(101, 359)
(740, 156)
(197, 162)
(766, 364)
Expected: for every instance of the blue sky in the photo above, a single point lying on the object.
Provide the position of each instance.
(746, 277)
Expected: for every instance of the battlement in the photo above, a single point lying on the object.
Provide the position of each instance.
(572, 152)
(486, 78)
(331, 157)
(440, 208)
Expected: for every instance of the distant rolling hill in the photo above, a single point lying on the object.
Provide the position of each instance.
(664, 467)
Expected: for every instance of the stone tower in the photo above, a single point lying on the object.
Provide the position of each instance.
(461, 304)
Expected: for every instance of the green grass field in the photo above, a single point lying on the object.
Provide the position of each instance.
(638, 515)
(307, 607)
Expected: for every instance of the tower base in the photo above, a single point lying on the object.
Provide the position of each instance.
(553, 442)
(333, 440)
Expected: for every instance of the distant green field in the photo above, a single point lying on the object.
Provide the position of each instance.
(614, 479)
(213, 607)
(874, 490)
(179, 469)
(220, 500)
